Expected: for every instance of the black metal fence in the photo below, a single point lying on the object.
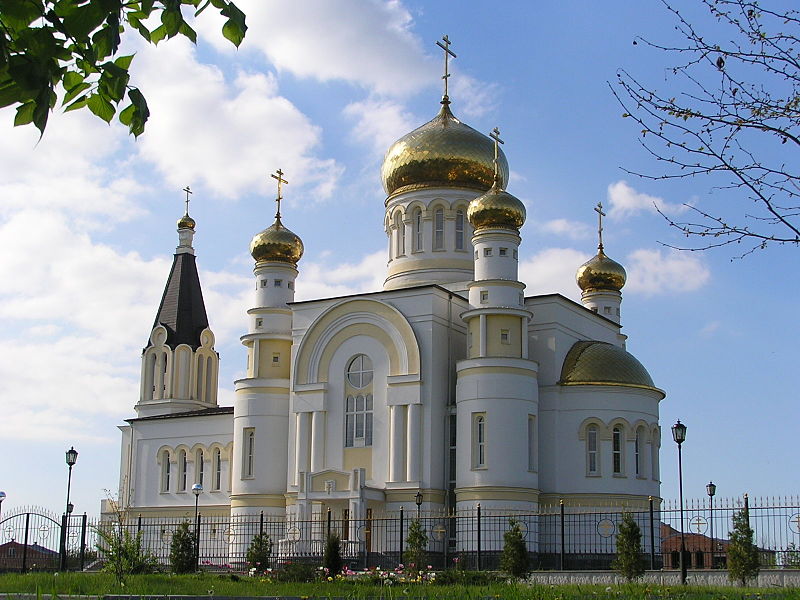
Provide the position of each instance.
(563, 537)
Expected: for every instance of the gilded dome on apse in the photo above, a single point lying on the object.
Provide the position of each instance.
(496, 209)
(601, 273)
(591, 362)
(186, 222)
(276, 244)
(443, 152)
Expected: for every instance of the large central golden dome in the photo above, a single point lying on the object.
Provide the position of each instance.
(444, 152)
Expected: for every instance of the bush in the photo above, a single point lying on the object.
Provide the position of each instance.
(629, 561)
(415, 556)
(295, 573)
(514, 559)
(332, 555)
(124, 554)
(742, 552)
(182, 550)
(259, 552)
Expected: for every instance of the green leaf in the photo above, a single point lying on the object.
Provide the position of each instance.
(18, 15)
(24, 113)
(85, 19)
(42, 111)
(79, 103)
(72, 79)
(187, 31)
(235, 28)
(124, 62)
(101, 107)
(140, 113)
(158, 34)
(73, 92)
(171, 19)
(126, 116)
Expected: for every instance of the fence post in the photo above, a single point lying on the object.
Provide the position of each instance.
(562, 550)
(400, 559)
(747, 509)
(328, 526)
(63, 556)
(479, 537)
(25, 546)
(652, 537)
(197, 543)
(139, 524)
(83, 540)
(261, 524)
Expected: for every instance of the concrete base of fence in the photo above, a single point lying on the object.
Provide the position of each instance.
(778, 578)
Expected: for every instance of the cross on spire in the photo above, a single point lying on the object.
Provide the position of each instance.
(447, 54)
(495, 135)
(600, 214)
(188, 191)
(278, 175)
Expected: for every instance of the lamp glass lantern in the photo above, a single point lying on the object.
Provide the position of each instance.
(679, 432)
(71, 456)
(711, 489)
(197, 488)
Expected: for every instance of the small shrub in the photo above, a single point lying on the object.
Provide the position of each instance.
(332, 555)
(742, 552)
(182, 550)
(259, 552)
(123, 552)
(295, 573)
(629, 562)
(514, 559)
(415, 556)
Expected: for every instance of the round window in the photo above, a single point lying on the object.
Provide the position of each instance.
(359, 373)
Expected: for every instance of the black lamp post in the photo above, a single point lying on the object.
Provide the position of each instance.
(679, 435)
(711, 489)
(71, 456)
(196, 489)
(418, 500)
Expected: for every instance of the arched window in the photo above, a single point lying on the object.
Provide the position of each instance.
(460, 229)
(637, 453)
(199, 390)
(592, 467)
(182, 471)
(209, 380)
(438, 229)
(249, 453)
(358, 421)
(164, 378)
(165, 471)
(401, 234)
(150, 377)
(616, 449)
(479, 445)
(217, 466)
(359, 372)
(198, 467)
(417, 230)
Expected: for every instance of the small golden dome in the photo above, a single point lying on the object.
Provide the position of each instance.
(443, 152)
(276, 244)
(496, 208)
(591, 362)
(186, 222)
(601, 273)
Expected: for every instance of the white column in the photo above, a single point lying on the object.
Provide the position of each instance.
(482, 330)
(396, 415)
(317, 441)
(355, 516)
(413, 443)
(524, 337)
(158, 394)
(301, 445)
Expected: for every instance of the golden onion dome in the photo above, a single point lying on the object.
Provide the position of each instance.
(186, 222)
(496, 209)
(591, 362)
(276, 244)
(600, 273)
(444, 152)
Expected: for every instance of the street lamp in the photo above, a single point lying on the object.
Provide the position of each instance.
(196, 489)
(418, 500)
(679, 435)
(711, 489)
(71, 456)
(2, 497)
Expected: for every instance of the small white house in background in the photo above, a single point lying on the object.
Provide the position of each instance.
(449, 381)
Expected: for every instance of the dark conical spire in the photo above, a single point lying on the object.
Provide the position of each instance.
(182, 309)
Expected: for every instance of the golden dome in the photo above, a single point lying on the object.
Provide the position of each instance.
(496, 208)
(601, 363)
(601, 273)
(186, 222)
(443, 152)
(276, 244)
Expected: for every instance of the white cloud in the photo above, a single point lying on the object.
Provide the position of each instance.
(552, 271)
(367, 43)
(652, 272)
(225, 135)
(471, 97)
(626, 201)
(379, 122)
(574, 230)
(325, 280)
(709, 329)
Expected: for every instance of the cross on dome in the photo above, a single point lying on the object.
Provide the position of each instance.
(495, 135)
(447, 54)
(278, 175)
(188, 191)
(600, 214)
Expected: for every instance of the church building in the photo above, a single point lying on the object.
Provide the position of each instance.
(449, 382)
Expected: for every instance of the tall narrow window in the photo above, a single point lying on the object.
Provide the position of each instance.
(217, 466)
(616, 447)
(182, 471)
(637, 444)
(164, 378)
(479, 441)
(459, 229)
(358, 421)
(591, 450)
(209, 379)
(418, 230)
(248, 452)
(438, 229)
(401, 234)
(150, 375)
(199, 386)
(198, 467)
(165, 471)
(531, 443)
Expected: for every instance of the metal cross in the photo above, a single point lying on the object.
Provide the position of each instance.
(699, 524)
(447, 54)
(796, 520)
(279, 176)
(605, 528)
(188, 191)
(495, 135)
(600, 214)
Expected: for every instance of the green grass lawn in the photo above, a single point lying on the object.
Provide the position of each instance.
(49, 585)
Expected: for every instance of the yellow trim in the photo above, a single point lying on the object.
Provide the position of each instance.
(618, 501)
(318, 481)
(416, 264)
(257, 500)
(264, 390)
(494, 370)
(467, 494)
(350, 331)
(358, 458)
(217, 510)
(494, 325)
(268, 369)
(614, 384)
(430, 495)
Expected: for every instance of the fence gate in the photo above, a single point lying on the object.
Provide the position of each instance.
(30, 541)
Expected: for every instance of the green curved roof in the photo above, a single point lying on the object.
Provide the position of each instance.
(601, 363)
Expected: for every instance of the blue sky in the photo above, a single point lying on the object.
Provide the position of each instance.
(321, 89)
